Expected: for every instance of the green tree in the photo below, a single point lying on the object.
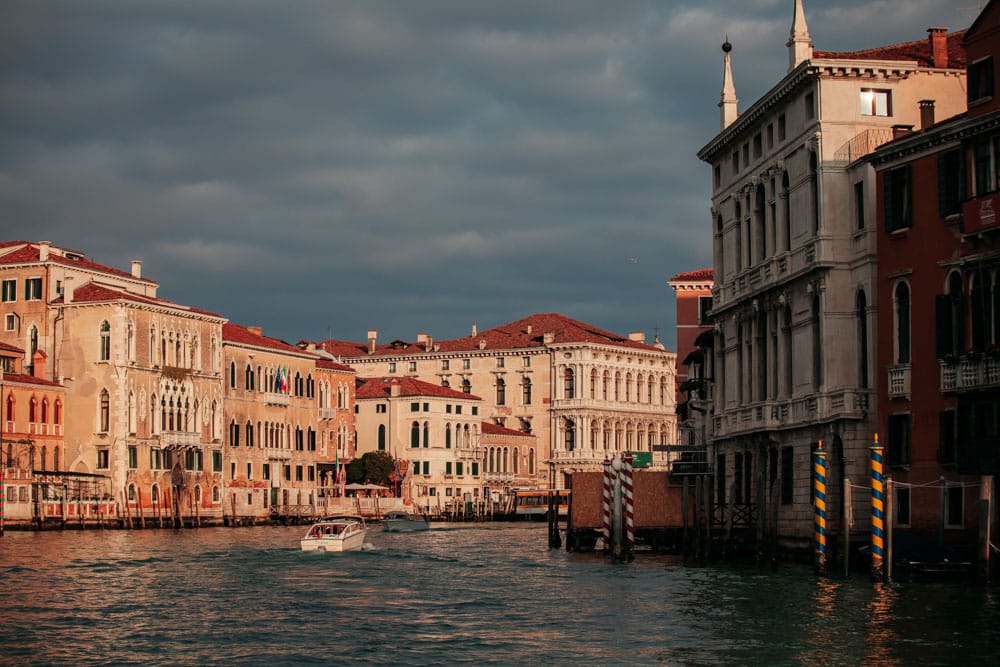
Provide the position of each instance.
(372, 467)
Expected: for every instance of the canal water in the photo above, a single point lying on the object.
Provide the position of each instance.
(483, 594)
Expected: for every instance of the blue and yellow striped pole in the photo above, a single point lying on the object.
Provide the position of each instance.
(819, 503)
(878, 512)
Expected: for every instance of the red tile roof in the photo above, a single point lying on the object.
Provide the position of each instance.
(697, 275)
(29, 379)
(30, 254)
(919, 51)
(10, 348)
(380, 388)
(489, 428)
(334, 366)
(234, 333)
(525, 333)
(93, 292)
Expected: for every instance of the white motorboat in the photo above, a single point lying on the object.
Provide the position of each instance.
(344, 533)
(403, 522)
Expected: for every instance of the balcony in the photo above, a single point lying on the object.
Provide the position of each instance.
(278, 454)
(327, 413)
(899, 381)
(971, 372)
(278, 399)
(180, 439)
(790, 413)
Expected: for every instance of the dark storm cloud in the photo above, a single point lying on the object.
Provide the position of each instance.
(320, 168)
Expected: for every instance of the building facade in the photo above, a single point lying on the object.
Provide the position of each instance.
(584, 392)
(434, 429)
(794, 268)
(939, 395)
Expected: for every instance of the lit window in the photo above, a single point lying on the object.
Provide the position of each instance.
(875, 103)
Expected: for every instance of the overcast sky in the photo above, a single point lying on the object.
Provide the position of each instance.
(322, 168)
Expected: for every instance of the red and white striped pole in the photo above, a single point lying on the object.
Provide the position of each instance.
(629, 508)
(606, 504)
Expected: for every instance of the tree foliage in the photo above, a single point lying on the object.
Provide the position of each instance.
(372, 467)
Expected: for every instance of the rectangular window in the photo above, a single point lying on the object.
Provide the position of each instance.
(458, 409)
(704, 309)
(875, 102)
(32, 289)
(445, 364)
(458, 468)
(951, 183)
(250, 470)
(720, 480)
(787, 481)
(103, 458)
(758, 145)
(427, 467)
(746, 155)
(311, 472)
(954, 501)
(781, 127)
(447, 491)
(898, 453)
(980, 80)
(526, 361)
(414, 407)
(10, 290)
(500, 362)
(380, 408)
(288, 472)
(298, 473)
(447, 409)
(466, 364)
(447, 467)
(216, 461)
(427, 407)
(232, 470)
(266, 470)
(810, 105)
(736, 162)
(416, 467)
(897, 198)
(475, 468)
(133, 457)
(10, 322)
(983, 164)
(770, 136)
(901, 517)
(475, 410)
(948, 438)
(392, 366)
(717, 176)
(859, 205)
(413, 367)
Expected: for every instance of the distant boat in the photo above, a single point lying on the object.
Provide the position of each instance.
(344, 533)
(404, 522)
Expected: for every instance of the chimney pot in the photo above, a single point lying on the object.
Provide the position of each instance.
(901, 131)
(372, 337)
(939, 46)
(474, 331)
(43, 251)
(637, 337)
(926, 114)
(136, 268)
(256, 330)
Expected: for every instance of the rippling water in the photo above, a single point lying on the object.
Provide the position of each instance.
(488, 593)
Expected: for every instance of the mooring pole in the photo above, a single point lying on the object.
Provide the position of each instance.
(848, 524)
(985, 526)
(878, 512)
(606, 505)
(627, 492)
(819, 504)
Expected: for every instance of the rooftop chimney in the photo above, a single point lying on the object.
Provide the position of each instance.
(256, 330)
(637, 337)
(136, 268)
(68, 289)
(901, 131)
(939, 47)
(372, 336)
(474, 331)
(394, 388)
(43, 251)
(926, 114)
(39, 359)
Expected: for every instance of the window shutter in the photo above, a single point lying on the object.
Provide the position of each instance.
(942, 307)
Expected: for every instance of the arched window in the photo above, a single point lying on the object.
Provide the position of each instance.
(154, 494)
(516, 459)
(902, 303)
(526, 390)
(33, 410)
(593, 383)
(232, 375)
(216, 494)
(45, 411)
(569, 379)
(605, 381)
(570, 435)
(55, 458)
(501, 391)
(57, 413)
(249, 380)
(249, 428)
(415, 434)
(466, 386)
(234, 434)
(427, 434)
(814, 189)
(447, 436)
(105, 416)
(618, 386)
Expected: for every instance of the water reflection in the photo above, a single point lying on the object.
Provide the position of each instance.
(486, 594)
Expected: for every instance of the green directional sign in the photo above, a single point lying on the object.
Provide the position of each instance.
(642, 459)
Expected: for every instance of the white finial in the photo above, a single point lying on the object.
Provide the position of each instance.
(728, 102)
(799, 43)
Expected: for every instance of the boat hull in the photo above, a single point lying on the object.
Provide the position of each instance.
(334, 543)
(404, 525)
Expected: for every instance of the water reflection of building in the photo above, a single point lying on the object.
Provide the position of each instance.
(582, 391)
(794, 267)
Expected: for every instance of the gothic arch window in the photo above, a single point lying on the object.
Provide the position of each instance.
(447, 436)
(605, 381)
(232, 375)
(593, 383)
(427, 434)
(381, 437)
(618, 386)
(466, 386)
(569, 378)
(570, 438)
(33, 410)
(415, 434)
(104, 421)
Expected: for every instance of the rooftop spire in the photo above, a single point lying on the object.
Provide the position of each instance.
(728, 102)
(799, 43)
